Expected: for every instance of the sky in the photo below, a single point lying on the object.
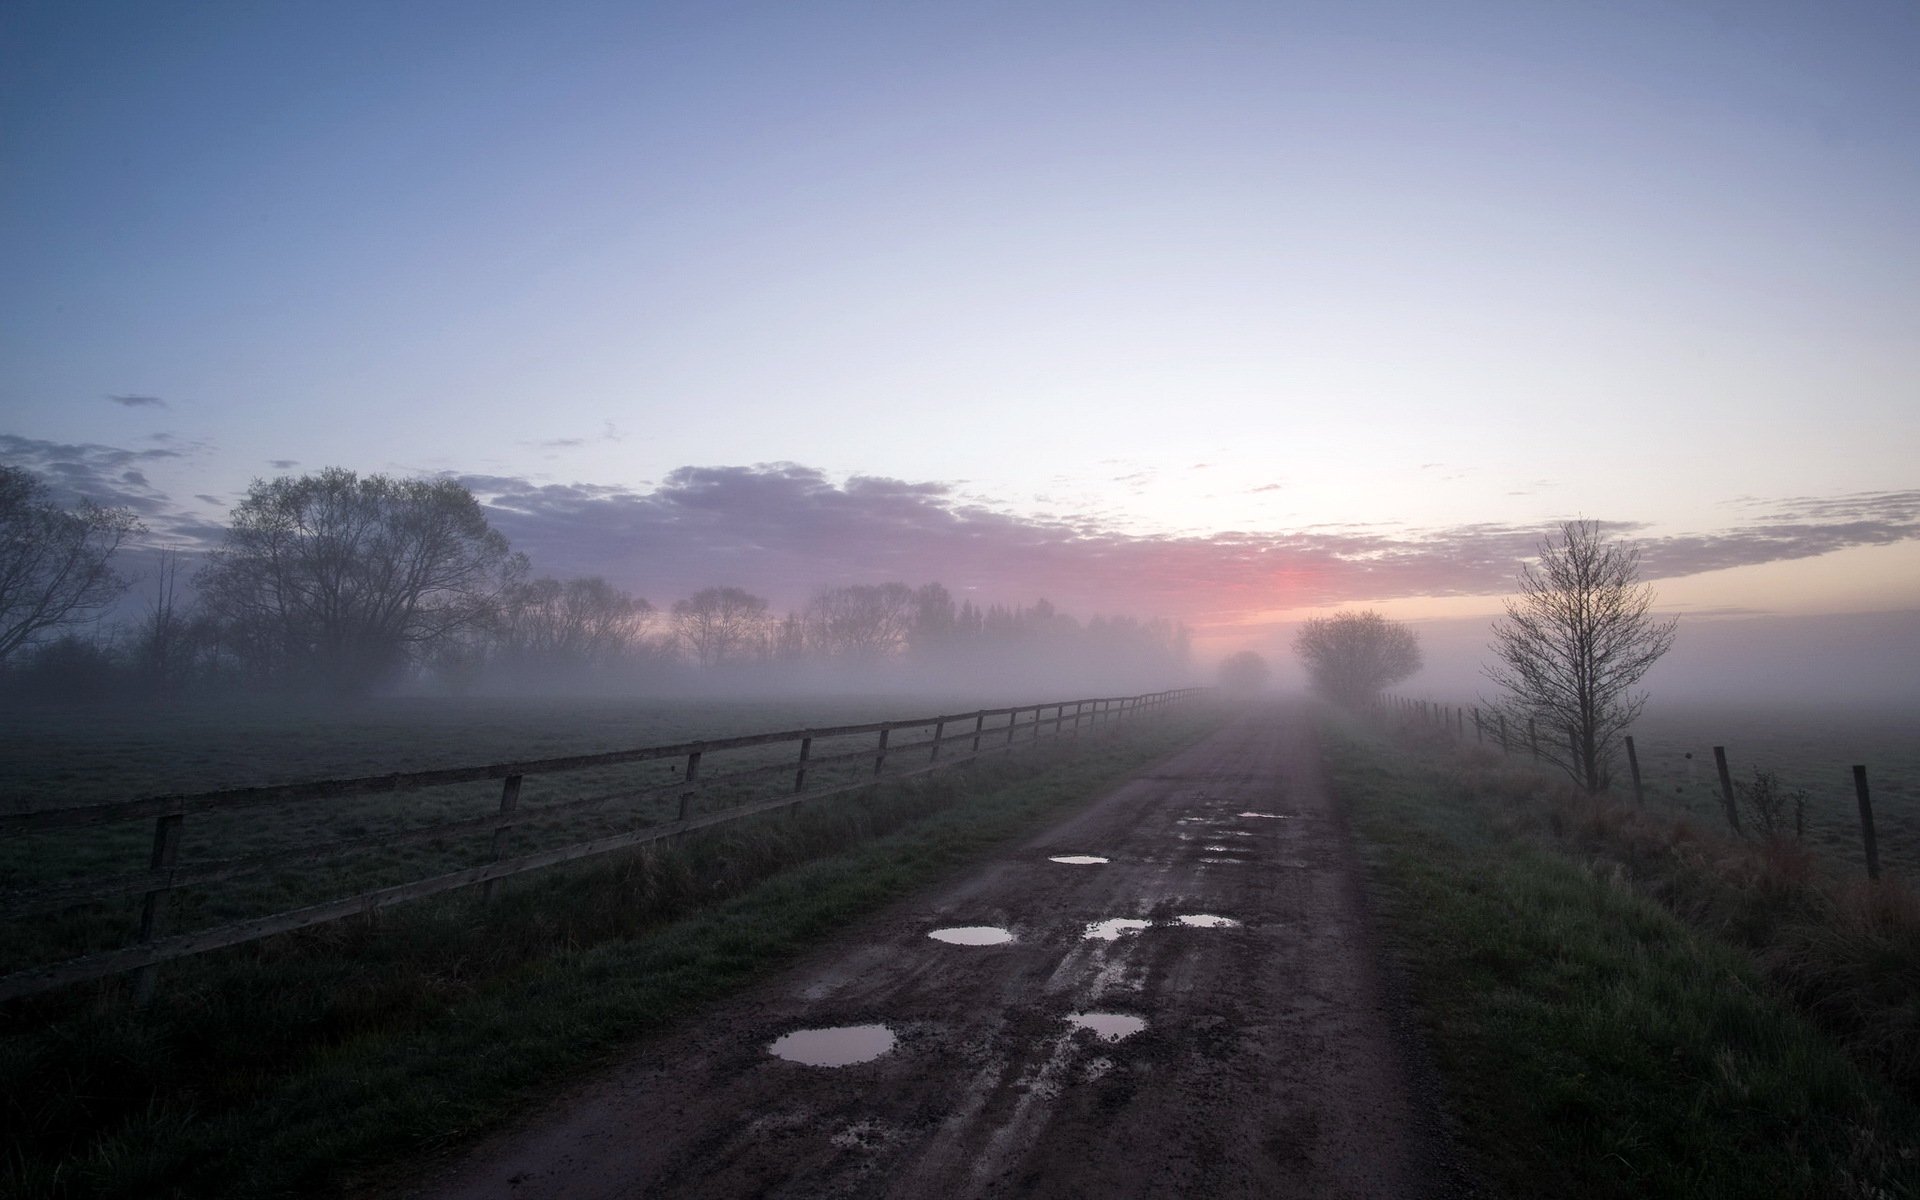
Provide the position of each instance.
(1229, 312)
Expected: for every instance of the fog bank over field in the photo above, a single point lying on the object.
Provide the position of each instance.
(1836, 660)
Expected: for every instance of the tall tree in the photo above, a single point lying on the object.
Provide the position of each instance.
(1351, 657)
(336, 581)
(861, 623)
(1573, 646)
(719, 624)
(55, 565)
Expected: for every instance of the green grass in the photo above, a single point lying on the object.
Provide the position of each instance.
(50, 758)
(1590, 1042)
(298, 1065)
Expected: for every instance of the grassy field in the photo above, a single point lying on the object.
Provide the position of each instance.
(1590, 1041)
(1813, 749)
(53, 758)
(293, 1066)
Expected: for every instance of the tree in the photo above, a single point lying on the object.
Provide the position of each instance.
(578, 625)
(55, 570)
(1351, 657)
(861, 623)
(718, 623)
(336, 581)
(1574, 644)
(1244, 672)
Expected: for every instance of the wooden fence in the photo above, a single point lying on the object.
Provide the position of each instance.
(930, 743)
(1512, 738)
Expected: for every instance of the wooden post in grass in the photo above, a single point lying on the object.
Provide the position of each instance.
(979, 723)
(1726, 786)
(1633, 765)
(880, 752)
(1013, 722)
(800, 772)
(166, 849)
(1866, 821)
(693, 777)
(939, 731)
(509, 800)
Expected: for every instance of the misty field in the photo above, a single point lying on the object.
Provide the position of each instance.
(1812, 749)
(51, 758)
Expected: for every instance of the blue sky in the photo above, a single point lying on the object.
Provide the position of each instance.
(1153, 275)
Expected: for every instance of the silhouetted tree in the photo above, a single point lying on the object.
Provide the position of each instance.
(1574, 644)
(1351, 657)
(719, 625)
(55, 569)
(862, 623)
(1244, 672)
(579, 625)
(337, 581)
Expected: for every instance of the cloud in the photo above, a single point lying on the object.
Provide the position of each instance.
(784, 529)
(136, 401)
(111, 476)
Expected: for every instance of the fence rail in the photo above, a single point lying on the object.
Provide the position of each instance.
(1023, 725)
(1494, 728)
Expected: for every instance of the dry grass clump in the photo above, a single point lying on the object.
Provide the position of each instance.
(1846, 952)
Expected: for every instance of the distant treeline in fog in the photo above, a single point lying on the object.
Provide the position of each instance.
(335, 585)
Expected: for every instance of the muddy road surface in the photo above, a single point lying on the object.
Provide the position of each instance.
(1199, 1015)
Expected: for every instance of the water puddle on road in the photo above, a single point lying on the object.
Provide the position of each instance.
(1113, 928)
(1078, 860)
(1207, 921)
(839, 1046)
(1268, 816)
(973, 935)
(1108, 1027)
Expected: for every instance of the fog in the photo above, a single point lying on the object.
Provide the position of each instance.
(1749, 661)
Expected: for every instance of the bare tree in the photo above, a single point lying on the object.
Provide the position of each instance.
(862, 623)
(718, 624)
(1351, 657)
(54, 564)
(1574, 644)
(335, 580)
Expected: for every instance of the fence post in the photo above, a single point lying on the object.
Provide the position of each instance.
(166, 849)
(1726, 786)
(693, 777)
(800, 772)
(1633, 765)
(880, 752)
(1013, 721)
(1866, 821)
(509, 800)
(939, 731)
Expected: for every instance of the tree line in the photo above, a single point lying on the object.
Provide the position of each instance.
(336, 584)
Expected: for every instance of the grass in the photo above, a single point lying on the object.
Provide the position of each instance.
(50, 758)
(1590, 1040)
(299, 1065)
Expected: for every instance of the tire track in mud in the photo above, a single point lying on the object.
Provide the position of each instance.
(1268, 1064)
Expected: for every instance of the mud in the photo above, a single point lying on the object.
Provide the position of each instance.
(1266, 1062)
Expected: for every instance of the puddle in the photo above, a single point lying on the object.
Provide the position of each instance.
(1078, 860)
(1111, 928)
(973, 935)
(1109, 1027)
(840, 1046)
(1268, 816)
(1207, 921)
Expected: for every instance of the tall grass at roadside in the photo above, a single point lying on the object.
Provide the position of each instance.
(287, 1067)
(1591, 1041)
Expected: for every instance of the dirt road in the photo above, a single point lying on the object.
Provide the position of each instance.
(1267, 1064)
